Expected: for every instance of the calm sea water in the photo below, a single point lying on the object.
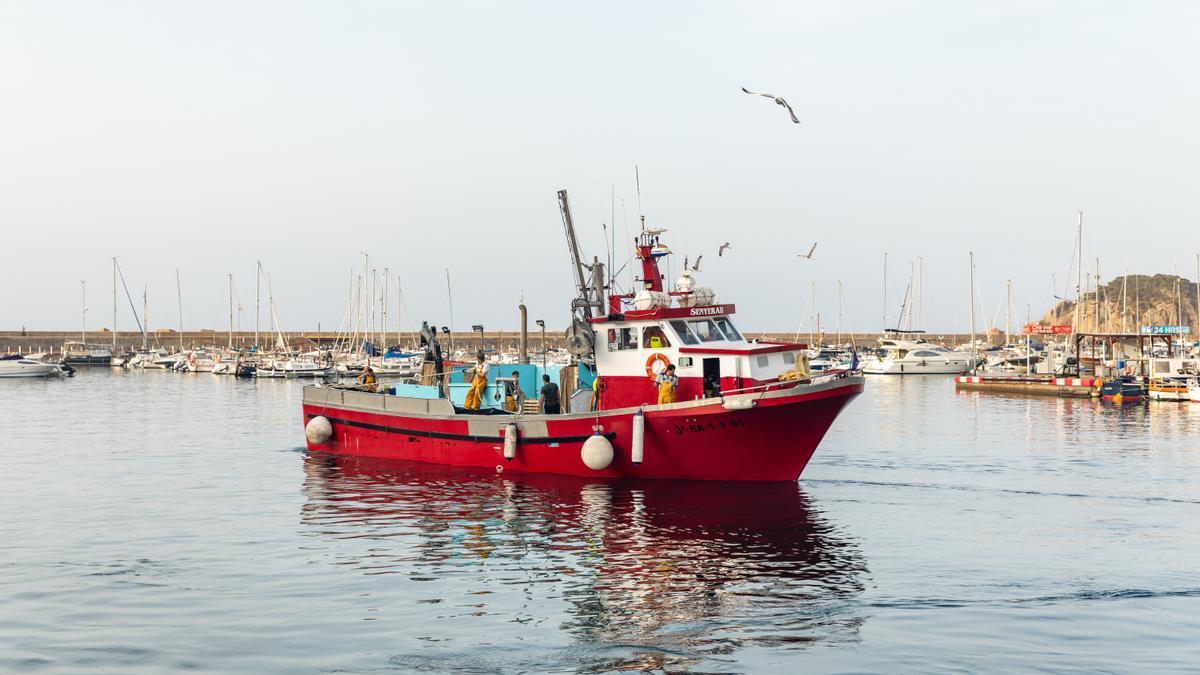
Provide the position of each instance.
(156, 522)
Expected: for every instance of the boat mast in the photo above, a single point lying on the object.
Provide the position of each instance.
(145, 317)
(257, 299)
(230, 347)
(1079, 269)
(839, 312)
(383, 303)
(812, 314)
(179, 299)
(920, 292)
(1125, 302)
(450, 306)
(971, 297)
(1096, 297)
(1008, 311)
(83, 313)
(114, 330)
(885, 324)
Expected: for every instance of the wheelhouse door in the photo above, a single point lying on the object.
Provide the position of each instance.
(712, 377)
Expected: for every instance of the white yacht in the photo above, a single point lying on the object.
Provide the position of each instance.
(908, 353)
(16, 365)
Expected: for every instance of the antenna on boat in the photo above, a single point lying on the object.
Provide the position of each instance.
(637, 179)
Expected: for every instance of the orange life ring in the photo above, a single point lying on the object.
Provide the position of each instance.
(650, 363)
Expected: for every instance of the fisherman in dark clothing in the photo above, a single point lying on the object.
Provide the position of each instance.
(549, 397)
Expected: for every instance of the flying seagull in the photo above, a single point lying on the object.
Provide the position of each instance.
(721, 250)
(808, 256)
(778, 101)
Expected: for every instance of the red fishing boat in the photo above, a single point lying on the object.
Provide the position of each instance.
(742, 410)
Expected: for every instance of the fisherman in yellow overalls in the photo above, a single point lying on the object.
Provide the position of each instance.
(513, 396)
(368, 379)
(666, 381)
(478, 384)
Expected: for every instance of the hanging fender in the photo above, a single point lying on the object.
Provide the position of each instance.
(659, 357)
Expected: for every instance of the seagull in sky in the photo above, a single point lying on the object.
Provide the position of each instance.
(721, 250)
(809, 255)
(778, 101)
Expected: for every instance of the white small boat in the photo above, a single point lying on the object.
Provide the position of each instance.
(16, 365)
(1194, 391)
(290, 368)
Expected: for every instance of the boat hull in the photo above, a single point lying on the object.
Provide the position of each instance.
(771, 439)
(26, 368)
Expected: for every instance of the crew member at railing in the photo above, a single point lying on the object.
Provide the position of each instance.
(478, 384)
(667, 381)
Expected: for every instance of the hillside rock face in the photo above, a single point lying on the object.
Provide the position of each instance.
(1159, 300)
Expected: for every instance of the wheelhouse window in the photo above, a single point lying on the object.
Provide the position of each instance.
(622, 339)
(684, 333)
(727, 329)
(654, 337)
(789, 357)
(764, 361)
(705, 330)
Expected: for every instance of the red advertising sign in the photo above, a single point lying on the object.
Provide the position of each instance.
(1039, 329)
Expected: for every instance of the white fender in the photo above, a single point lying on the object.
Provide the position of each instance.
(510, 441)
(636, 442)
(597, 452)
(318, 430)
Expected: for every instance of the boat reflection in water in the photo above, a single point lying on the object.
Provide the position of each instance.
(670, 570)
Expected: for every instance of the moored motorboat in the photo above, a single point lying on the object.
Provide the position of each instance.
(84, 354)
(17, 365)
(908, 353)
(740, 410)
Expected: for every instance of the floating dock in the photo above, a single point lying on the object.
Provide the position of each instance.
(1083, 387)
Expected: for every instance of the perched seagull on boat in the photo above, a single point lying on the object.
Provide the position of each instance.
(721, 250)
(809, 255)
(778, 101)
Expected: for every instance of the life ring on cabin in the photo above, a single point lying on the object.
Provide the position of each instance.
(659, 357)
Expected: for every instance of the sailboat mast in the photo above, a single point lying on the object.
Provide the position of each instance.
(1125, 302)
(1008, 311)
(384, 304)
(114, 329)
(883, 326)
(1079, 269)
(971, 297)
(839, 312)
(179, 299)
(450, 306)
(920, 292)
(83, 313)
(145, 317)
(1096, 297)
(230, 347)
(812, 314)
(257, 299)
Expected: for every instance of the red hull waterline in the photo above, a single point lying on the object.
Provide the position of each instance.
(749, 437)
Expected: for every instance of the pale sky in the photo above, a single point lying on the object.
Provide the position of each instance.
(204, 136)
